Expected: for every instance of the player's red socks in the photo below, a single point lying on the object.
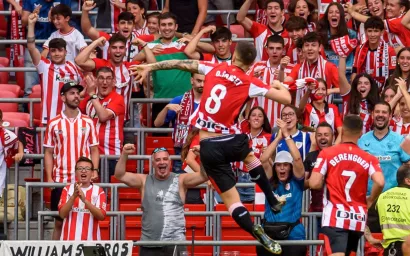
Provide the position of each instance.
(241, 216)
(258, 176)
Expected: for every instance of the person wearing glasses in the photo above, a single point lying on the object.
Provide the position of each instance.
(82, 205)
(163, 196)
(107, 108)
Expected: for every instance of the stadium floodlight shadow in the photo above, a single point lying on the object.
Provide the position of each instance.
(94, 251)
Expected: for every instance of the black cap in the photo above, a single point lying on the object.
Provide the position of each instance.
(68, 86)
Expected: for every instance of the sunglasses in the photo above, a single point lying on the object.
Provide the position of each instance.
(159, 150)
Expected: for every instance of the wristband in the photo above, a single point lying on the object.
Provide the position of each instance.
(31, 39)
(144, 45)
(289, 137)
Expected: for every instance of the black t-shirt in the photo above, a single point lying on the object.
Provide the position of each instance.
(316, 204)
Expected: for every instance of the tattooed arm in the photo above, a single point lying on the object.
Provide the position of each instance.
(140, 72)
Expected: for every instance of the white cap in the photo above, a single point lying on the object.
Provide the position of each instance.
(283, 157)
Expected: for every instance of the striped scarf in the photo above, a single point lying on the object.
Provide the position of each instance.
(182, 121)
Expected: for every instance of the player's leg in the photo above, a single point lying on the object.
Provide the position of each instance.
(406, 247)
(353, 241)
(335, 241)
(258, 175)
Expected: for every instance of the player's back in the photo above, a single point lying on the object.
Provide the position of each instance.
(226, 91)
(347, 169)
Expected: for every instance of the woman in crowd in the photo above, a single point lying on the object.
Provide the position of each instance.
(258, 129)
(137, 8)
(360, 97)
(333, 25)
(401, 123)
(304, 9)
(303, 139)
(318, 110)
(287, 180)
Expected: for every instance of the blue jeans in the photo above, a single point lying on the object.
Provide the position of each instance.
(30, 78)
(177, 164)
(246, 194)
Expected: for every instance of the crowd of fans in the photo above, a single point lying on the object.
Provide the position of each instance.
(322, 52)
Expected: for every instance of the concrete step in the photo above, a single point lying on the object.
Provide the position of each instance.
(48, 227)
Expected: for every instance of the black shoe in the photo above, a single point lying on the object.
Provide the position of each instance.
(277, 208)
(267, 242)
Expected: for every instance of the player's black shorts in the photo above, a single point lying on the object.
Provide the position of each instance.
(218, 153)
(55, 199)
(339, 240)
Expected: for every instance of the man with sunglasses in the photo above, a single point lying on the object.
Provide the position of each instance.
(82, 205)
(163, 196)
(106, 107)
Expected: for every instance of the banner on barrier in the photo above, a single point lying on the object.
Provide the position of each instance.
(62, 248)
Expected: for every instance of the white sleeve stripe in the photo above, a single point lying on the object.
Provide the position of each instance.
(323, 169)
(255, 91)
(372, 170)
(204, 69)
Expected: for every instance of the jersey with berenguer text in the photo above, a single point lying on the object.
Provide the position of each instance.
(347, 170)
(226, 90)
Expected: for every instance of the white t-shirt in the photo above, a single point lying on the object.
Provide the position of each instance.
(75, 42)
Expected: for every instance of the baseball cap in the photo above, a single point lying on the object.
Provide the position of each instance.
(68, 86)
(283, 157)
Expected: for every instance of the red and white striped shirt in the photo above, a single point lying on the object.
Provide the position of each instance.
(52, 78)
(267, 75)
(226, 90)
(313, 117)
(400, 127)
(124, 82)
(80, 224)
(110, 133)
(114, 13)
(142, 31)
(260, 34)
(398, 35)
(70, 140)
(346, 169)
(365, 113)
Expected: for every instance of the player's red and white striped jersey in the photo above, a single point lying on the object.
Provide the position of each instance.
(214, 59)
(130, 52)
(114, 13)
(398, 35)
(365, 113)
(80, 224)
(70, 140)
(226, 90)
(260, 34)
(110, 133)
(400, 127)
(52, 78)
(267, 75)
(123, 81)
(313, 117)
(346, 169)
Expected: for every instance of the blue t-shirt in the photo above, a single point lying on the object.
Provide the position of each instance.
(389, 153)
(172, 115)
(334, 58)
(292, 210)
(43, 27)
(301, 139)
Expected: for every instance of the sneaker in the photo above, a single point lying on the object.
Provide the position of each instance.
(267, 242)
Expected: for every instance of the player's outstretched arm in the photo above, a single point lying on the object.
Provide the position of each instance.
(141, 71)
(279, 93)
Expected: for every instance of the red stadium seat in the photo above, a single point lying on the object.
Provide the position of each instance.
(14, 88)
(4, 76)
(36, 106)
(20, 75)
(8, 107)
(4, 61)
(195, 222)
(17, 119)
(156, 142)
(237, 32)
